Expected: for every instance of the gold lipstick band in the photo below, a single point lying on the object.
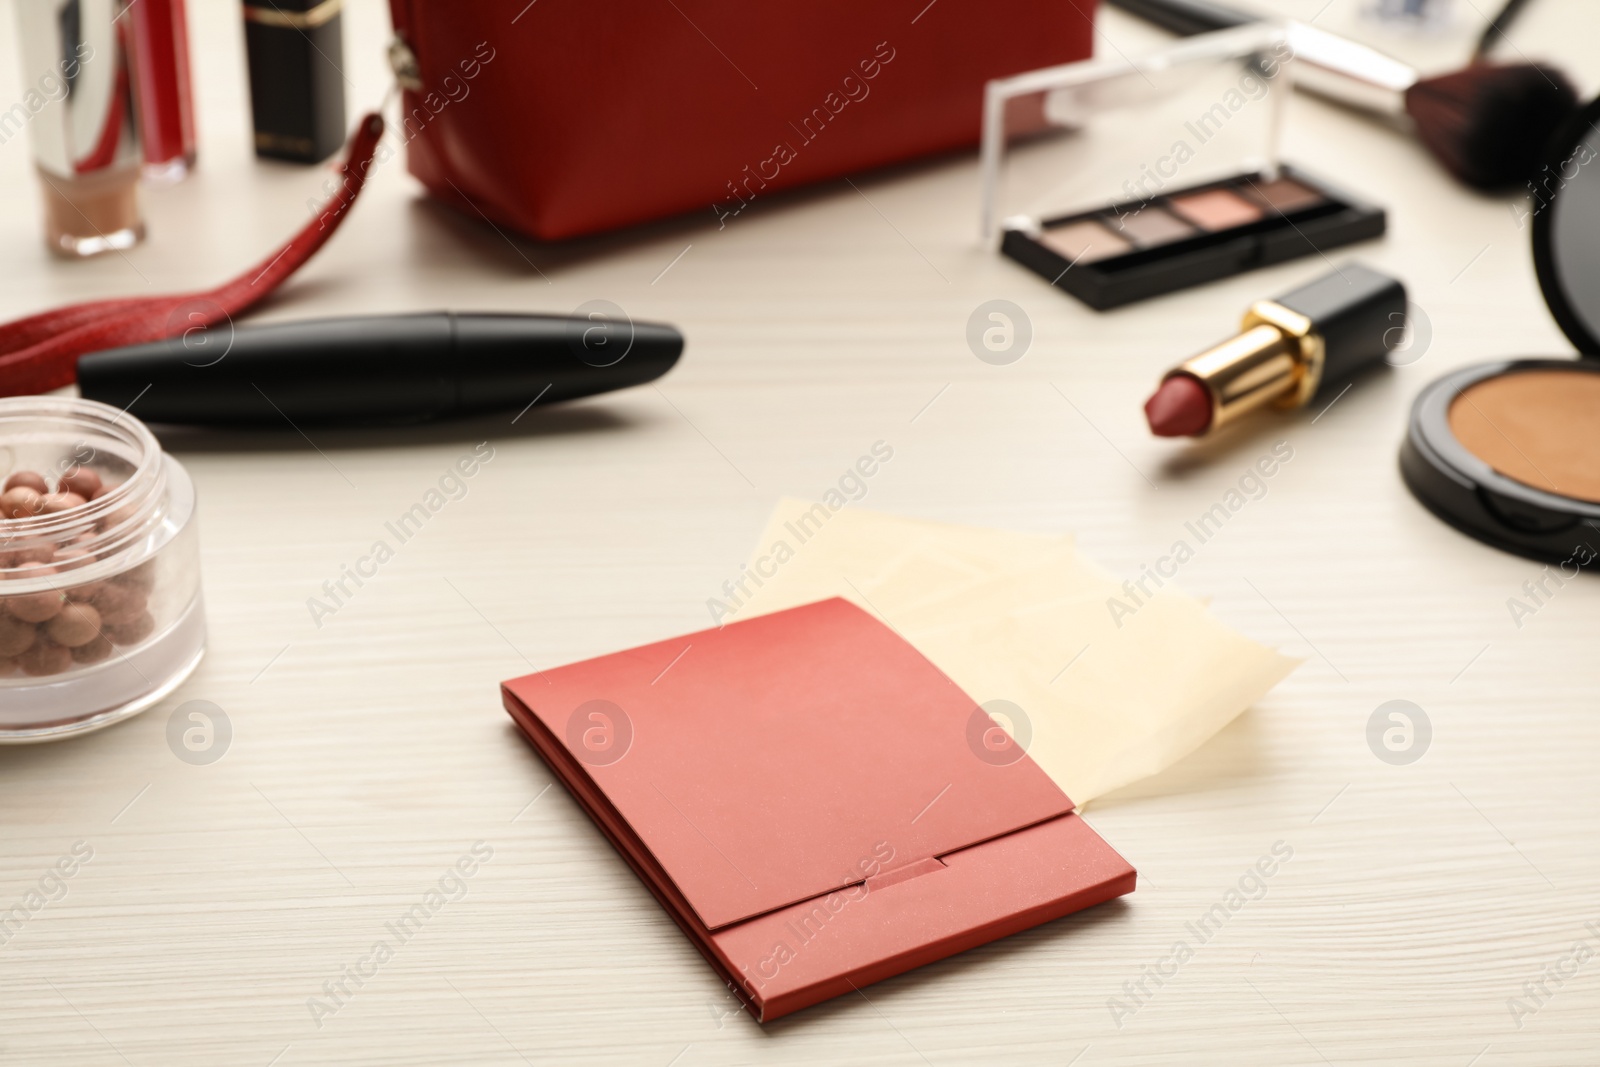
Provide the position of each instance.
(272, 15)
(1276, 359)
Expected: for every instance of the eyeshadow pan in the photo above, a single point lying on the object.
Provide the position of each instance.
(1537, 427)
(1187, 236)
(1216, 209)
(1284, 195)
(1084, 241)
(1154, 226)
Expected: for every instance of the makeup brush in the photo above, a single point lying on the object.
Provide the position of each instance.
(1487, 123)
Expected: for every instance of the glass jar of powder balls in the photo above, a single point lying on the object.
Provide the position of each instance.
(100, 606)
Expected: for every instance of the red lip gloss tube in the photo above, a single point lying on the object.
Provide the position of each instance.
(165, 98)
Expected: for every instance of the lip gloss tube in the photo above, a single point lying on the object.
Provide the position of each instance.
(166, 104)
(79, 103)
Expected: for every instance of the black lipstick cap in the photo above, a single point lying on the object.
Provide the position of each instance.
(295, 50)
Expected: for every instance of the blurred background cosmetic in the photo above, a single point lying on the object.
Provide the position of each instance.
(1166, 172)
(160, 41)
(1486, 123)
(84, 133)
(1421, 14)
(296, 55)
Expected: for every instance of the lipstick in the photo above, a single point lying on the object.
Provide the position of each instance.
(1287, 353)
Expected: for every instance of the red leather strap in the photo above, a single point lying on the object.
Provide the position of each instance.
(40, 352)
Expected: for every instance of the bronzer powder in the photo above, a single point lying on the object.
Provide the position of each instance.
(1540, 427)
(1509, 451)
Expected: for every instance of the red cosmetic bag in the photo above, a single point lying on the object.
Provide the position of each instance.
(566, 117)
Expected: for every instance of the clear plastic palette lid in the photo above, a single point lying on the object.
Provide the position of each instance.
(1086, 136)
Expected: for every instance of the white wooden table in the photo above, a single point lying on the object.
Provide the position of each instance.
(371, 753)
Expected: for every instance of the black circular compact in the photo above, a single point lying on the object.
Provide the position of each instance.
(1509, 452)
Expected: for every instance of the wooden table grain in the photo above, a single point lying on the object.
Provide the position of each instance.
(1443, 912)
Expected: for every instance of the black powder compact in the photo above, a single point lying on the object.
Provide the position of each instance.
(1509, 452)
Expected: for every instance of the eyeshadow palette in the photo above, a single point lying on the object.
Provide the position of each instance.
(1142, 248)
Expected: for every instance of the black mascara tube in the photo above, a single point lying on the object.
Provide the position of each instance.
(377, 369)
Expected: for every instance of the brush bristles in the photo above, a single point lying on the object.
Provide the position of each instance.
(1491, 124)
